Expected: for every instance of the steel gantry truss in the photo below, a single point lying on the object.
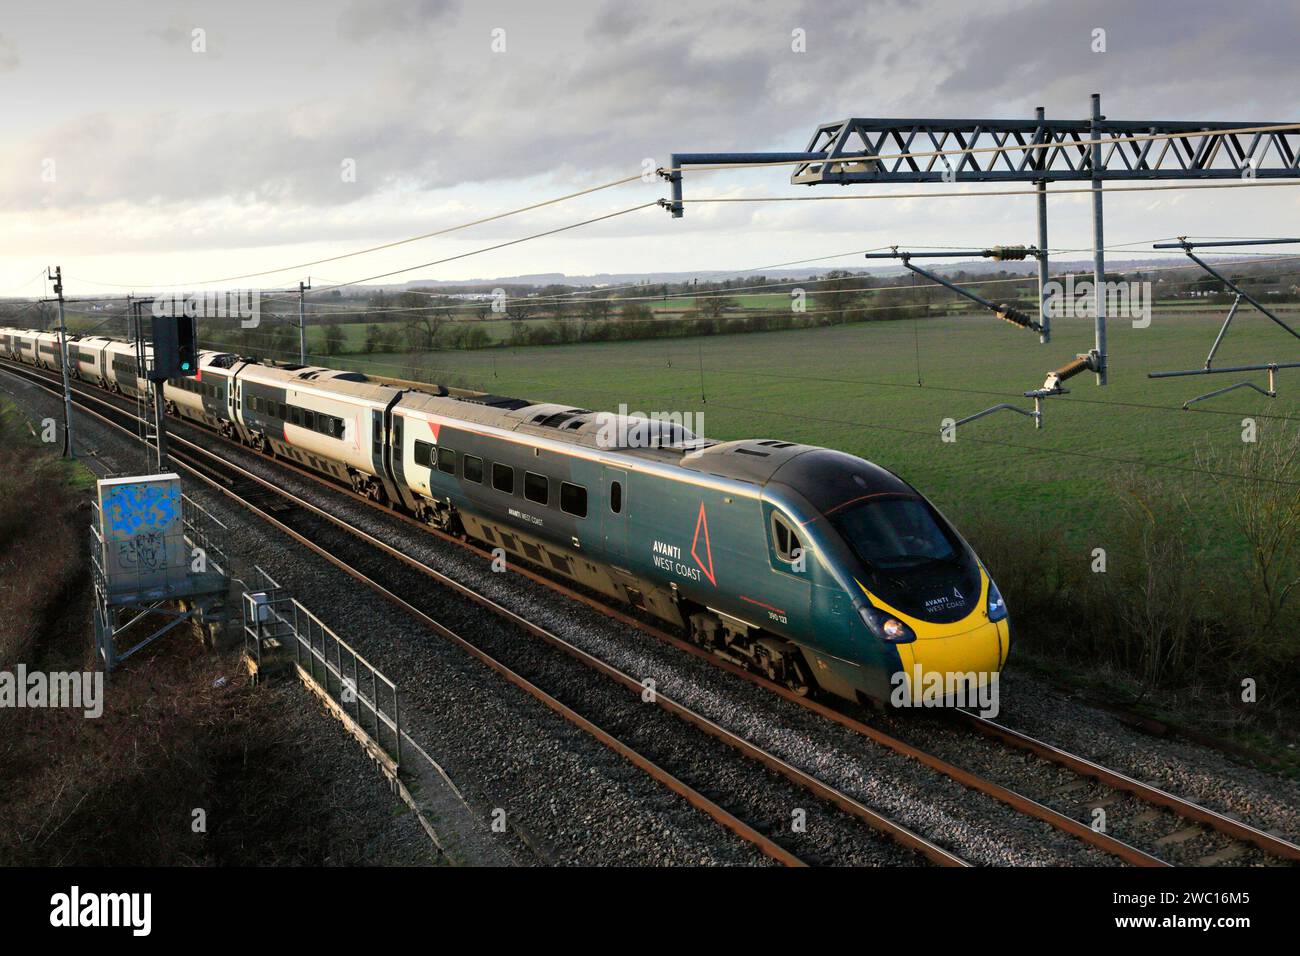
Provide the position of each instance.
(919, 151)
(1037, 151)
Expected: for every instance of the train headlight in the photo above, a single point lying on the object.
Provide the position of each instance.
(997, 607)
(889, 629)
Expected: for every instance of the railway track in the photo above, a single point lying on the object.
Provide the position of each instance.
(1187, 814)
(302, 521)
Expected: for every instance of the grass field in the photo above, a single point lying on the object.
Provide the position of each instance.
(854, 388)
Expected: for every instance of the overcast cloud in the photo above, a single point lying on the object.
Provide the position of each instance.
(171, 164)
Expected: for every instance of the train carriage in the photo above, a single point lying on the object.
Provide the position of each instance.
(322, 418)
(49, 354)
(88, 358)
(26, 346)
(205, 398)
(123, 371)
(758, 548)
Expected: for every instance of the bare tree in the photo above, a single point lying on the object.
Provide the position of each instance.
(1257, 485)
(713, 305)
(420, 319)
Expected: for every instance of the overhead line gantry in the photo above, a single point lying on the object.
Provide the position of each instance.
(1039, 151)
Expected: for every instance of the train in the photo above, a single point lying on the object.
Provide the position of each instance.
(816, 569)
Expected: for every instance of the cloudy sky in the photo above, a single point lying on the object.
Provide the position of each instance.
(165, 143)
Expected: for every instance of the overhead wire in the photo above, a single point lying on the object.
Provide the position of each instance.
(1060, 145)
(387, 245)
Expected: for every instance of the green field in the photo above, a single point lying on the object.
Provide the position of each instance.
(854, 388)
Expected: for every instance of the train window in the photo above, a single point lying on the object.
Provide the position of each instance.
(573, 499)
(536, 487)
(787, 541)
(503, 478)
(616, 497)
(473, 468)
(446, 460)
(423, 454)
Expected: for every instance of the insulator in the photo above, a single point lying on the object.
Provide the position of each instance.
(1006, 253)
(1071, 369)
(1083, 363)
(1008, 314)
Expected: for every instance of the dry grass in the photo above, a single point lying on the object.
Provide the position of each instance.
(42, 536)
(1172, 612)
(277, 780)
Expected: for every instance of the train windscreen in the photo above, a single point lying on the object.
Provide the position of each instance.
(891, 532)
(911, 558)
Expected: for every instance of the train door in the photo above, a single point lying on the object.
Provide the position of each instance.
(380, 454)
(234, 396)
(395, 458)
(614, 512)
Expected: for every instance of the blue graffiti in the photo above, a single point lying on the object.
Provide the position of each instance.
(128, 508)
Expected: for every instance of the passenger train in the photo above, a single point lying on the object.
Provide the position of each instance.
(812, 567)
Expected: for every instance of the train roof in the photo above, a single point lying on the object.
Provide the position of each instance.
(311, 377)
(752, 460)
(656, 438)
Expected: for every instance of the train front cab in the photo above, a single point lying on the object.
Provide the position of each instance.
(911, 610)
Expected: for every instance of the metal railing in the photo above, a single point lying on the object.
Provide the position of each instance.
(357, 686)
(202, 530)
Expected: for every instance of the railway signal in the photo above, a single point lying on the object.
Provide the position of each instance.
(175, 347)
(187, 347)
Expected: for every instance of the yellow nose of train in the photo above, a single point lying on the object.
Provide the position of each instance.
(947, 659)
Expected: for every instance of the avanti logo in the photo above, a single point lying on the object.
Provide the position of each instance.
(705, 564)
(668, 557)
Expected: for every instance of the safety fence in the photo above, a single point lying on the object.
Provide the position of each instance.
(273, 620)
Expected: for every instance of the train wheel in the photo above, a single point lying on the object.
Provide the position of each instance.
(782, 664)
(796, 677)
